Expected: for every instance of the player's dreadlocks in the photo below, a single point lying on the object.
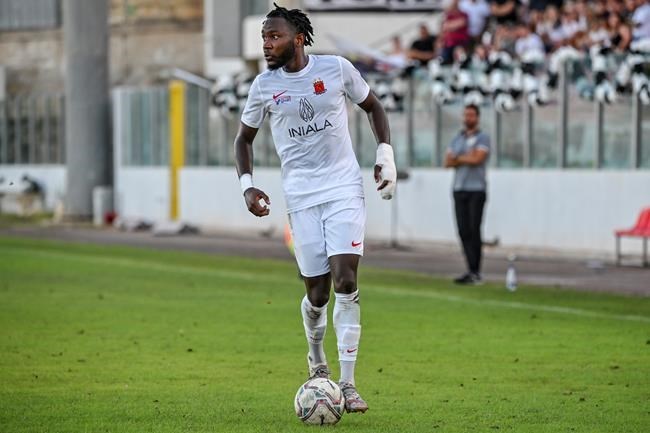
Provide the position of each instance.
(297, 19)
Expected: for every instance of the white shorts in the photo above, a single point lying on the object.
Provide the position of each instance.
(326, 230)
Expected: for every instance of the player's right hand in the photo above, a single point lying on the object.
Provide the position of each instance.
(254, 197)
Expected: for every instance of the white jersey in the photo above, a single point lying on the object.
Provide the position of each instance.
(309, 123)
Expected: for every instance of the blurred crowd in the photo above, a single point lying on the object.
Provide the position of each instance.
(504, 50)
(509, 48)
(518, 27)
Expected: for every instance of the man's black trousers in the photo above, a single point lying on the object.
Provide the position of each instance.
(469, 215)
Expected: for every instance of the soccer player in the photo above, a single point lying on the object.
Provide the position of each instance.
(304, 98)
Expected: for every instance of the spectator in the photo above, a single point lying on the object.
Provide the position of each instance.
(397, 55)
(551, 29)
(504, 11)
(599, 8)
(598, 34)
(468, 154)
(423, 48)
(629, 6)
(527, 41)
(572, 24)
(396, 48)
(478, 12)
(454, 31)
(541, 5)
(585, 13)
(641, 20)
(620, 33)
(614, 7)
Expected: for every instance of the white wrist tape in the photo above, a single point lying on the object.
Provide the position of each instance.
(246, 181)
(386, 160)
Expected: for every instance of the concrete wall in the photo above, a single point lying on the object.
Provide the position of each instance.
(548, 209)
(139, 54)
(572, 211)
(370, 29)
(51, 177)
(142, 193)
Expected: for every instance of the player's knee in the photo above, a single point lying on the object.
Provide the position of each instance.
(318, 292)
(318, 289)
(345, 284)
(318, 299)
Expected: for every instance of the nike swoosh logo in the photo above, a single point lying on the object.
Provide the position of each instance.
(279, 94)
(351, 350)
(355, 244)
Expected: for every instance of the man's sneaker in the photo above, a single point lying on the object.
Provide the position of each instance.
(469, 278)
(353, 401)
(319, 371)
(315, 371)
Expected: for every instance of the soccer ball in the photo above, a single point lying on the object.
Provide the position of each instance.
(319, 401)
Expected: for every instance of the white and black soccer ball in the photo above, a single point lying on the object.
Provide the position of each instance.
(319, 401)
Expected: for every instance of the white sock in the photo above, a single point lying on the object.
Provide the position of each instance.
(347, 324)
(315, 321)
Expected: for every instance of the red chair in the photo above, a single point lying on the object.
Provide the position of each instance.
(640, 230)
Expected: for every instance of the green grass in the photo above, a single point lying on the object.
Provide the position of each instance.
(111, 339)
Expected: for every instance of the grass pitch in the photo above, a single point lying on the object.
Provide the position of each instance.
(110, 339)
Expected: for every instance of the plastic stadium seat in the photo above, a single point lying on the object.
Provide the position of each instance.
(640, 230)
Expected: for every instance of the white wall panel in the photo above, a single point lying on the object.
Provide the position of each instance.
(51, 177)
(550, 209)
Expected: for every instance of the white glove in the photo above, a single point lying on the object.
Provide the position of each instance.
(386, 160)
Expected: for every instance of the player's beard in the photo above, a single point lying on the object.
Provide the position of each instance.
(284, 57)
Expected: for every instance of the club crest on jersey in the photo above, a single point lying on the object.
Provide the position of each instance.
(319, 87)
(306, 110)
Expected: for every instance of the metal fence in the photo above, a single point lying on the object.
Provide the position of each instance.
(144, 116)
(144, 131)
(32, 130)
(569, 133)
(29, 14)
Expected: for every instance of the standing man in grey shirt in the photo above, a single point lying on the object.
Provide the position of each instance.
(468, 153)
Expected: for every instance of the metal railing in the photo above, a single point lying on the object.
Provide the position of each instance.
(32, 130)
(569, 133)
(144, 131)
(29, 14)
(144, 135)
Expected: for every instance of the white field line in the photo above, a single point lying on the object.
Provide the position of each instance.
(510, 304)
(393, 291)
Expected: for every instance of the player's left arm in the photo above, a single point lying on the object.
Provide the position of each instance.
(385, 171)
(356, 88)
(377, 117)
